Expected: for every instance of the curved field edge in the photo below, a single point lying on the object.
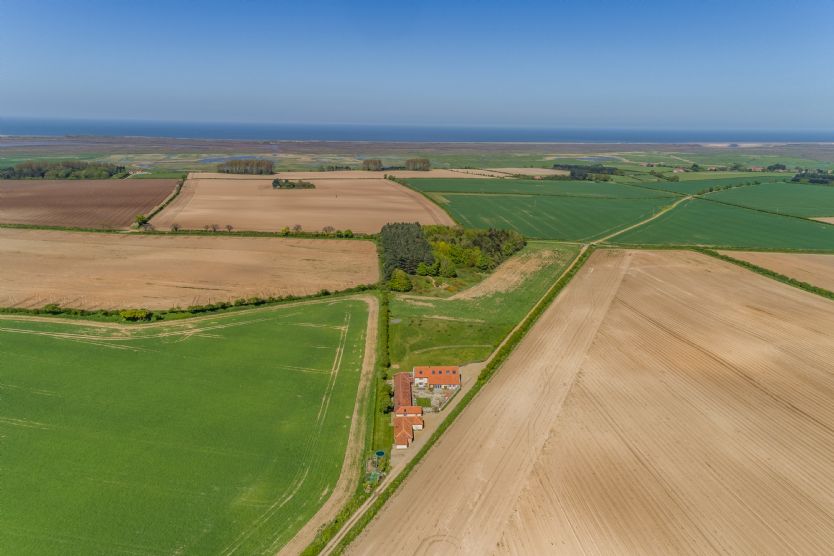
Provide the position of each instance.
(243, 329)
(497, 359)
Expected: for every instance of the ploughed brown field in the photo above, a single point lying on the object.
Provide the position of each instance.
(666, 403)
(532, 171)
(404, 174)
(817, 270)
(114, 271)
(250, 203)
(80, 203)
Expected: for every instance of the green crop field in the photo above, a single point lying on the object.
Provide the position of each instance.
(798, 199)
(219, 434)
(430, 331)
(702, 222)
(533, 187)
(694, 186)
(549, 217)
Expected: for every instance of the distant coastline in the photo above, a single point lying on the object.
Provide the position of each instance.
(30, 127)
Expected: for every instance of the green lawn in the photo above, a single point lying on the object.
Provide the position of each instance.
(431, 331)
(549, 217)
(533, 187)
(702, 222)
(215, 435)
(798, 199)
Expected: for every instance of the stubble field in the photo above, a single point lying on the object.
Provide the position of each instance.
(114, 271)
(216, 435)
(80, 203)
(665, 403)
(250, 203)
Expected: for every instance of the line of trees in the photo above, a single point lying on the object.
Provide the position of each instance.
(246, 166)
(372, 164)
(63, 170)
(418, 164)
(596, 172)
(820, 177)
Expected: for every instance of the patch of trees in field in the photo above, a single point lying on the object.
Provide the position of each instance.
(246, 166)
(409, 248)
(479, 249)
(418, 164)
(595, 172)
(404, 246)
(279, 183)
(63, 170)
(372, 165)
(819, 177)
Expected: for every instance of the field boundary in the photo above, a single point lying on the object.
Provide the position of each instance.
(372, 506)
(405, 184)
(805, 286)
(807, 219)
(664, 210)
(168, 200)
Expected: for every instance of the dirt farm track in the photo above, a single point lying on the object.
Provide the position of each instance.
(80, 203)
(115, 271)
(666, 403)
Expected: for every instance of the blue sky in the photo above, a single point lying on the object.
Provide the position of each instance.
(644, 64)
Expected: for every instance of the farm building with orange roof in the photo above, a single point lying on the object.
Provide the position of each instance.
(437, 377)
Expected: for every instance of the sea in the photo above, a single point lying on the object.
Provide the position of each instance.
(11, 126)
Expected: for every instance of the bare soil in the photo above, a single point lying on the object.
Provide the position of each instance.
(532, 171)
(817, 270)
(826, 219)
(509, 274)
(107, 204)
(94, 270)
(250, 203)
(357, 174)
(665, 403)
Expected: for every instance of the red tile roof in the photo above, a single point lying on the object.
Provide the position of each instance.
(439, 376)
(414, 420)
(408, 410)
(402, 390)
(403, 432)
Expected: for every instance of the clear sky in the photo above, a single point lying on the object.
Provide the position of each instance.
(649, 64)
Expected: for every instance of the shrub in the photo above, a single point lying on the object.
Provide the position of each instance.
(135, 314)
(278, 183)
(400, 281)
